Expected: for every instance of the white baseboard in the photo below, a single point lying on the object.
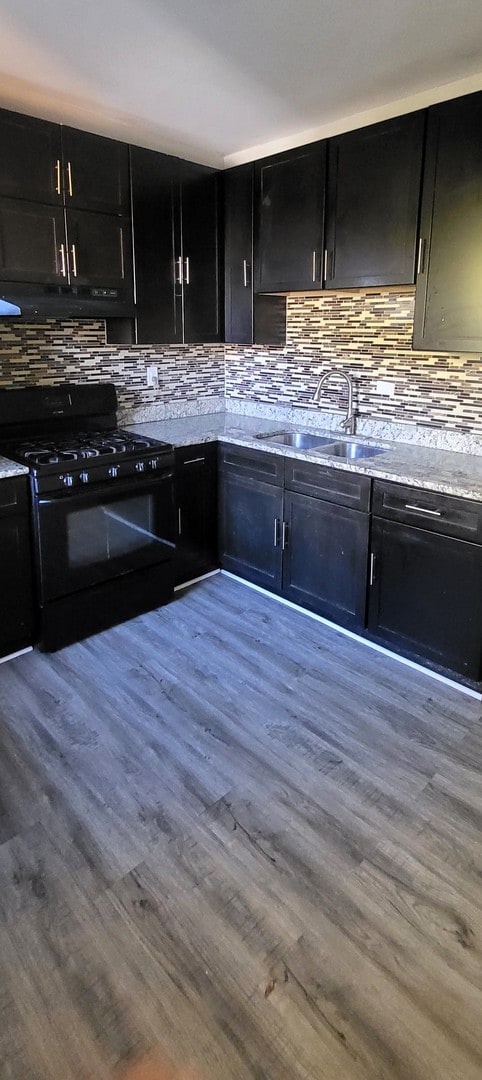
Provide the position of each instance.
(185, 584)
(11, 656)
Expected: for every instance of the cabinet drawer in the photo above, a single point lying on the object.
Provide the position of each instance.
(252, 464)
(199, 454)
(323, 482)
(13, 496)
(428, 510)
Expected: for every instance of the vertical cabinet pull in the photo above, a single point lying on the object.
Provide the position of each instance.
(325, 264)
(245, 273)
(179, 520)
(74, 260)
(372, 567)
(121, 239)
(284, 536)
(276, 533)
(63, 265)
(421, 256)
(186, 270)
(69, 179)
(57, 176)
(313, 266)
(178, 271)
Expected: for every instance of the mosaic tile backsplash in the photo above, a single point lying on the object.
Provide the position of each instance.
(75, 351)
(366, 332)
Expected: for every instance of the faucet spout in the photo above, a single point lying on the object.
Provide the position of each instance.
(348, 424)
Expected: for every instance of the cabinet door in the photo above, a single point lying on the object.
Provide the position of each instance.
(99, 249)
(374, 178)
(250, 530)
(200, 270)
(325, 558)
(32, 243)
(30, 158)
(95, 172)
(196, 497)
(425, 598)
(238, 254)
(448, 309)
(16, 602)
(155, 212)
(290, 197)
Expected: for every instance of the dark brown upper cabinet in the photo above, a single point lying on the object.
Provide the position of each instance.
(248, 317)
(373, 194)
(95, 172)
(448, 304)
(30, 157)
(175, 217)
(290, 198)
(47, 163)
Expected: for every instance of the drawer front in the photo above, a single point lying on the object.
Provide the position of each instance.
(13, 496)
(323, 482)
(461, 518)
(252, 464)
(201, 454)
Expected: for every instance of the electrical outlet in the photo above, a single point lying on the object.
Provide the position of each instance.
(383, 386)
(152, 376)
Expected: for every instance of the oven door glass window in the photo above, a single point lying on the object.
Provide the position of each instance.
(108, 532)
(86, 539)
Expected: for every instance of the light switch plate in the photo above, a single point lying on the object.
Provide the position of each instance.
(152, 376)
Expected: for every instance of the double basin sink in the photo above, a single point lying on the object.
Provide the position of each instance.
(349, 449)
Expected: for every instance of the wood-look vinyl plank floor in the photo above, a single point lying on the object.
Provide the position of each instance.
(235, 834)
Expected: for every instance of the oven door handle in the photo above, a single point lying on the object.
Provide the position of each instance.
(113, 487)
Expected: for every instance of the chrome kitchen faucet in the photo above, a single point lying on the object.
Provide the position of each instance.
(350, 419)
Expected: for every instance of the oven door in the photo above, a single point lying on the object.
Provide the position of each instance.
(95, 535)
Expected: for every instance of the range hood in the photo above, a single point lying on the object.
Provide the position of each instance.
(7, 308)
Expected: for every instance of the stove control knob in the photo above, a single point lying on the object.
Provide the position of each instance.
(84, 477)
(113, 471)
(140, 466)
(67, 479)
(153, 463)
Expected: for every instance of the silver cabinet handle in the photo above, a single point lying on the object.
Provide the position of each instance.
(245, 273)
(372, 567)
(186, 270)
(421, 256)
(74, 260)
(121, 239)
(63, 267)
(325, 264)
(284, 535)
(423, 510)
(276, 532)
(178, 271)
(193, 460)
(69, 179)
(313, 265)
(57, 176)
(179, 520)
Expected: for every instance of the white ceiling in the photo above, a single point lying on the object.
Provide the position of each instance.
(222, 81)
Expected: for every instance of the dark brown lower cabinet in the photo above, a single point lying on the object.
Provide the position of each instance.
(312, 548)
(425, 595)
(325, 558)
(16, 601)
(250, 515)
(196, 501)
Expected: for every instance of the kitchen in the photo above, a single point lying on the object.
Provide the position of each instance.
(269, 701)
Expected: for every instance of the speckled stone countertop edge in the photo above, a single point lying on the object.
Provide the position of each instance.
(11, 468)
(444, 471)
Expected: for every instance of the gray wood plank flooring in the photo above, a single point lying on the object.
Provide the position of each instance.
(235, 835)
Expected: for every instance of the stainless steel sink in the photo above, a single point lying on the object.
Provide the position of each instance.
(299, 440)
(352, 451)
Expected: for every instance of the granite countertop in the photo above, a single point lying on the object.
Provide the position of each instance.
(446, 471)
(11, 468)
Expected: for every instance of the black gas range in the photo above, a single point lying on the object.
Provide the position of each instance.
(102, 508)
